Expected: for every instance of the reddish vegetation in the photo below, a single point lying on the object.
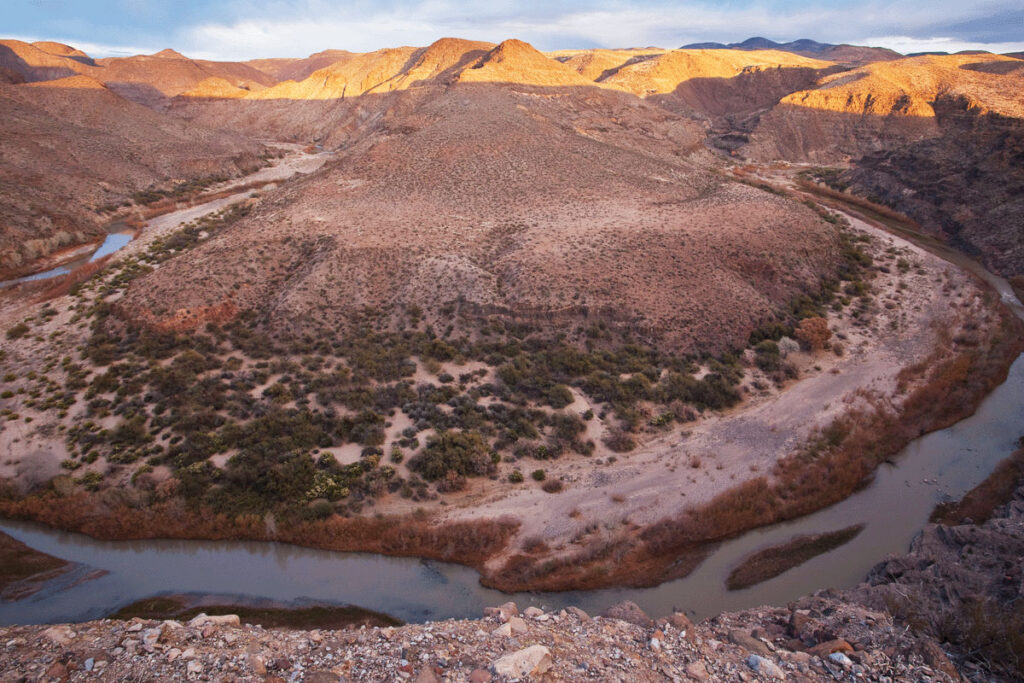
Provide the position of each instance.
(469, 543)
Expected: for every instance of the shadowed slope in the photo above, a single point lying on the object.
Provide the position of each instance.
(549, 205)
(72, 145)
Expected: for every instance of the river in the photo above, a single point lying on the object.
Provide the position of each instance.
(940, 466)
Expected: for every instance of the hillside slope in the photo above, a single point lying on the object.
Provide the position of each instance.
(70, 146)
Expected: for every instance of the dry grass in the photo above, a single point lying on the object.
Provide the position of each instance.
(770, 562)
(468, 543)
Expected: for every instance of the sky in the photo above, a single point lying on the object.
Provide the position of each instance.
(245, 29)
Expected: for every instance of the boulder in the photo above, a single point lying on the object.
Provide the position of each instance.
(630, 612)
(530, 661)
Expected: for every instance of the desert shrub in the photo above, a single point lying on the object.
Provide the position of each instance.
(515, 477)
(788, 345)
(465, 453)
(619, 441)
(813, 333)
(772, 330)
(17, 331)
(451, 482)
(553, 486)
(538, 475)
(767, 355)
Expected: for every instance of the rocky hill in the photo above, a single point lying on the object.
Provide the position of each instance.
(505, 198)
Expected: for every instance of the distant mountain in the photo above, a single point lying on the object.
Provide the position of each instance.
(850, 54)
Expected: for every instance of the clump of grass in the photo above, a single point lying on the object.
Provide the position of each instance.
(771, 562)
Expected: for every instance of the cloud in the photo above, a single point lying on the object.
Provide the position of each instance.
(273, 29)
(908, 45)
(242, 29)
(92, 49)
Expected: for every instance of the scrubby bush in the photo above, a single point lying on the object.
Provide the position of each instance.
(465, 453)
(18, 331)
(538, 475)
(813, 333)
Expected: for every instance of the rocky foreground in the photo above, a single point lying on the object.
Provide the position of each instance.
(817, 639)
(848, 635)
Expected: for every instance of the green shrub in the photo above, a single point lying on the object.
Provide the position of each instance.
(18, 331)
(465, 453)
(538, 475)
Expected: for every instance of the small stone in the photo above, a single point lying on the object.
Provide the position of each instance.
(578, 613)
(134, 628)
(530, 661)
(697, 671)
(189, 653)
(208, 630)
(840, 659)
(517, 625)
(680, 621)
(150, 637)
(427, 676)
(503, 612)
(57, 670)
(749, 642)
(194, 667)
(630, 612)
(321, 677)
(89, 664)
(480, 676)
(765, 667)
(61, 635)
(532, 612)
(257, 665)
(16, 642)
(282, 664)
(504, 631)
(173, 654)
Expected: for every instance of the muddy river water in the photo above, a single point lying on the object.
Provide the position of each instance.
(893, 508)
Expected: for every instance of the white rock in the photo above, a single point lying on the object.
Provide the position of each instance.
(530, 661)
(202, 619)
(841, 659)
